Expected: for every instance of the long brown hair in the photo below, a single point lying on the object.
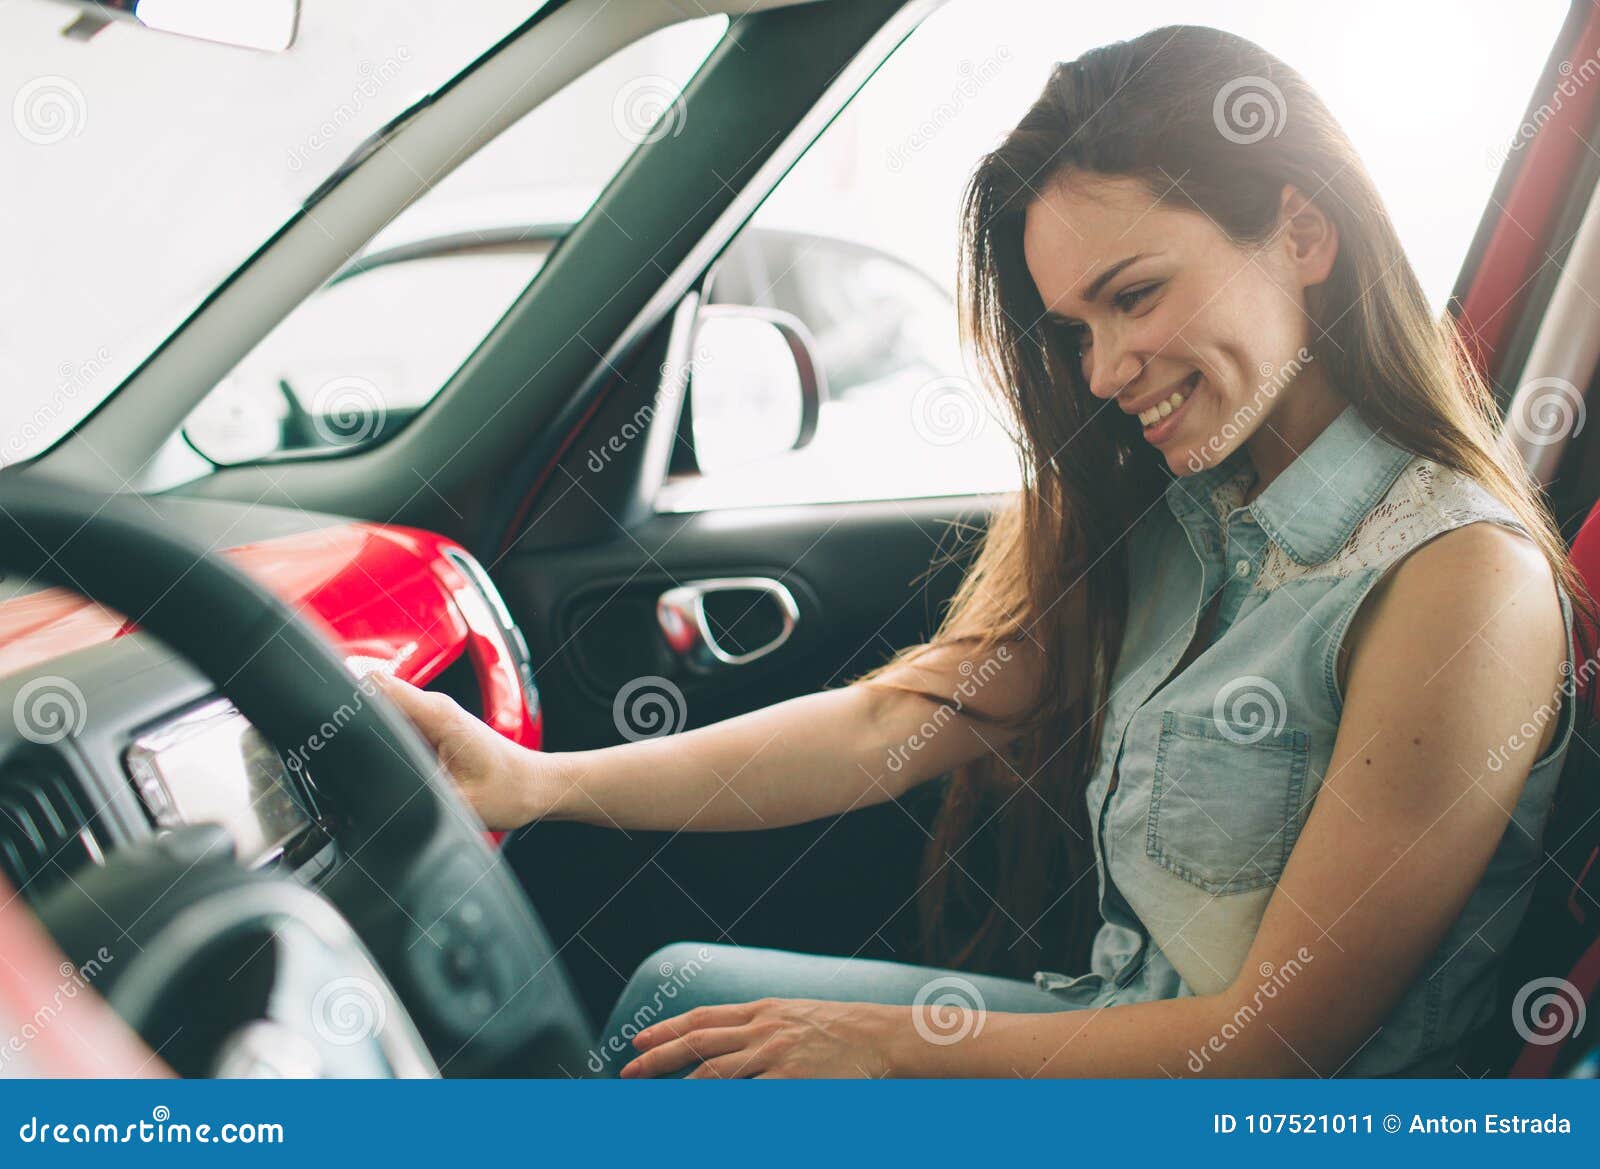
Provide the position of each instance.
(1210, 122)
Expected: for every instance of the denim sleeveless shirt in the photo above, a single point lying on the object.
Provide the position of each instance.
(1217, 768)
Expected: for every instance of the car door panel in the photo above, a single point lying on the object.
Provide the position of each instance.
(868, 578)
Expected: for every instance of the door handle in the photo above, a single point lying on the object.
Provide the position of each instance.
(681, 615)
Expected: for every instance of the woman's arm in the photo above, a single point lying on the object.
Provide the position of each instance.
(813, 756)
(1463, 647)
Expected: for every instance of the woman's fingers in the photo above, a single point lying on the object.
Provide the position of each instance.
(686, 1049)
(721, 1015)
(419, 706)
(736, 1065)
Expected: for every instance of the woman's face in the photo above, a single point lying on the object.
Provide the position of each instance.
(1175, 323)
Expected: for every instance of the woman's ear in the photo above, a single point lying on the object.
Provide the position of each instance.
(1311, 239)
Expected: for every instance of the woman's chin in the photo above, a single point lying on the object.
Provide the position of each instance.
(1193, 448)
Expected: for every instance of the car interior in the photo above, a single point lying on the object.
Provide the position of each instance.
(202, 798)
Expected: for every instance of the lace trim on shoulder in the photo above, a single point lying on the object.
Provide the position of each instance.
(1426, 499)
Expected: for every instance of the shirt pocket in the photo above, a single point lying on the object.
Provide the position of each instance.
(1224, 813)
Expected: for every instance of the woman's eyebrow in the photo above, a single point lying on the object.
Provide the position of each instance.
(1088, 295)
(1107, 276)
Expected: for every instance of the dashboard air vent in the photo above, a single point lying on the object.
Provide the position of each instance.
(44, 833)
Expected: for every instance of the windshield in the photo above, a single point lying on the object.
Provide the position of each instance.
(142, 168)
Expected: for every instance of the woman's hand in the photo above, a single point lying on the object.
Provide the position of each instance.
(506, 784)
(775, 1038)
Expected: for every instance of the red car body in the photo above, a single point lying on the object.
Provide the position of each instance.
(388, 597)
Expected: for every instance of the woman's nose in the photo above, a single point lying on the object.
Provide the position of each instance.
(1107, 377)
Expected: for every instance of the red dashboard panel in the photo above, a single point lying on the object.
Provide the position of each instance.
(387, 597)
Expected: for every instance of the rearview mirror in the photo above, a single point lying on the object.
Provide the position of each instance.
(756, 387)
(268, 25)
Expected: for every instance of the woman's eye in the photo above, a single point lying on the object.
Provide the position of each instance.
(1129, 299)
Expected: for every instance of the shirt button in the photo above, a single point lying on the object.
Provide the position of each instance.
(1242, 568)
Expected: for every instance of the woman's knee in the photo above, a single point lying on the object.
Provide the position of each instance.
(670, 981)
(667, 975)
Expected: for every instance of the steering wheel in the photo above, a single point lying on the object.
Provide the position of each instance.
(471, 967)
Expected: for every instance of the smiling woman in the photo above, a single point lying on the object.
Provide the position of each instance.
(1268, 598)
(1165, 249)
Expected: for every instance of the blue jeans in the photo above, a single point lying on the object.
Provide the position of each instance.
(686, 975)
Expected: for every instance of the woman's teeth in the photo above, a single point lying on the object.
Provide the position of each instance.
(1156, 413)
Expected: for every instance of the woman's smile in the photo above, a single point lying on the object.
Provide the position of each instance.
(1161, 420)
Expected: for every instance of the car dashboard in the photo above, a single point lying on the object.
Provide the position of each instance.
(114, 739)
(209, 765)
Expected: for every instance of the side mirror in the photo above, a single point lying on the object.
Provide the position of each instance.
(756, 386)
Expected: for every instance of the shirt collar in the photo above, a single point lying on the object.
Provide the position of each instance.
(1315, 503)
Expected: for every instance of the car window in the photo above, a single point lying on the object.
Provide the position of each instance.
(899, 419)
(359, 358)
(141, 168)
(859, 240)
